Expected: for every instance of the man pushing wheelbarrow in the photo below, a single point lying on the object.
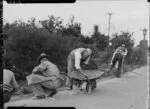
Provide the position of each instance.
(118, 56)
(77, 58)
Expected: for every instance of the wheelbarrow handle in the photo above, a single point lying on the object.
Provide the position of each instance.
(65, 74)
(102, 69)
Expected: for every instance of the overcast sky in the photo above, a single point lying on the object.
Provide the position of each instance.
(128, 15)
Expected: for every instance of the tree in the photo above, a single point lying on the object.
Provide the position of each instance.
(32, 23)
(31, 40)
(52, 24)
(72, 28)
(101, 40)
(86, 40)
(123, 38)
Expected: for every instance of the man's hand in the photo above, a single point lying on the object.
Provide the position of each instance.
(52, 78)
(86, 62)
(85, 76)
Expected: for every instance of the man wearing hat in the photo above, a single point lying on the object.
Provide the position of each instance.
(118, 56)
(76, 58)
(9, 85)
(44, 78)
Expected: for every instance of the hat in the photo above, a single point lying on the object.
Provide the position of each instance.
(89, 51)
(123, 45)
(42, 55)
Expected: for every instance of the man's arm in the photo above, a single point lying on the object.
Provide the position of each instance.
(41, 67)
(87, 60)
(113, 56)
(14, 82)
(77, 62)
(35, 69)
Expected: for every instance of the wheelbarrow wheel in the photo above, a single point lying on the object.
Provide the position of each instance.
(71, 84)
(89, 87)
(93, 85)
(75, 82)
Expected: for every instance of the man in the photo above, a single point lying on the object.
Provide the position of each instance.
(76, 58)
(9, 84)
(118, 56)
(44, 78)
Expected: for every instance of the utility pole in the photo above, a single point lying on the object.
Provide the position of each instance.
(109, 21)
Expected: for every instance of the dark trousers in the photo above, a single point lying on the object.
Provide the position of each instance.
(71, 67)
(6, 96)
(47, 87)
(118, 57)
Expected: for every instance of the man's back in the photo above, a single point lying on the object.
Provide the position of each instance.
(77, 50)
(121, 50)
(9, 79)
(52, 69)
(7, 75)
(9, 83)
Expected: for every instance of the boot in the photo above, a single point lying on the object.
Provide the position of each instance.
(53, 93)
(118, 73)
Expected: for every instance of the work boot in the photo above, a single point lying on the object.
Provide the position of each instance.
(118, 74)
(70, 87)
(53, 93)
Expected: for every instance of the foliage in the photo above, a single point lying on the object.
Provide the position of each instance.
(24, 42)
(30, 41)
(72, 28)
(101, 40)
(52, 24)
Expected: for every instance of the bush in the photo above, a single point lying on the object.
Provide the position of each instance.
(24, 42)
(30, 42)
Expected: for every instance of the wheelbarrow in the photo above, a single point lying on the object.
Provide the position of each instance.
(92, 76)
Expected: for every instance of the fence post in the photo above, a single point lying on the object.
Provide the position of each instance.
(143, 50)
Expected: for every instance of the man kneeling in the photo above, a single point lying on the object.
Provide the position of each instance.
(44, 78)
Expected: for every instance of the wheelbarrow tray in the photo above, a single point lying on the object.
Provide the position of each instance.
(91, 74)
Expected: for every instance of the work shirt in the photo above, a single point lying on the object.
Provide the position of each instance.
(48, 69)
(121, 50)
(78, 57)
(9, 81)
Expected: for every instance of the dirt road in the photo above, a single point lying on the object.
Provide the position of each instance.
(127, 92)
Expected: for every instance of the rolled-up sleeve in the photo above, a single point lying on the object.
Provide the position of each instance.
(35, 69)
(41, 67)
(77, 60)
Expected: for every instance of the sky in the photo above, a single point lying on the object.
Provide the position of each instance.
(129, 16)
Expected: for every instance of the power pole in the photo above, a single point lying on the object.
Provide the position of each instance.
(109, 21)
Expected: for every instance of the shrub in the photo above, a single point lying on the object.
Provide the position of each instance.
(24, 42)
